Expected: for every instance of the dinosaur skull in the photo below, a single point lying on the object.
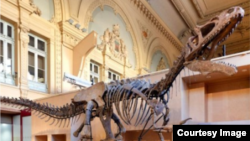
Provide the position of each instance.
(213, 33)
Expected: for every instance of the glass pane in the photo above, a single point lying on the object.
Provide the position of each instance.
(31, 59)
(31, 73)
(41, 76)
(1, 28)
(110, 75)
(9, 60)
(1, 56)
(91, 78)
(1, 63)
(114, 77)
(41, 62)
(90, 67)
(1, 48)
(32, 41)
(95, 69)
(9, 51)
(9, 31)
(118, 78)
(6, 132)
(41, 45)
(95, 80)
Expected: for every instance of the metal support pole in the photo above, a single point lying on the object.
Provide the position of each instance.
(224, 50)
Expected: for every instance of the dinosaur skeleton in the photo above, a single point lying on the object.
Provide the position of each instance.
(126, 95)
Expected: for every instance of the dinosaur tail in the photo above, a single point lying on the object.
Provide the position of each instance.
(66, 112)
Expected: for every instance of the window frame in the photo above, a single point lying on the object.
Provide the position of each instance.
(92, 73)
(4, 77)
(37, 52)
(112, 76)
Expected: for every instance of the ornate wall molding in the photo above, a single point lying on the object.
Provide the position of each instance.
(113, 45)
(58, 10)
(69, 40)
(118, 10)
(24, 40)
(36, 8)
(71, 35)
(58, 46)
(147, 11)
(24, 36)
(77, 26)
(113, 42)
(58, 62)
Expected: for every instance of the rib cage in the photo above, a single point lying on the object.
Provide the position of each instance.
(126, 102)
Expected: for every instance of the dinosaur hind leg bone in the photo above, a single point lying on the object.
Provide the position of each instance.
(76, 133)
(105, 117)
(87, 128)
(120, 126)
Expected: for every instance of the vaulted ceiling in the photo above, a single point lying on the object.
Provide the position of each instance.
(181, 16)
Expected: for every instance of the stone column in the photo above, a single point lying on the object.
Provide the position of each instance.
(105, 73)
(24, 40)
(58, 62)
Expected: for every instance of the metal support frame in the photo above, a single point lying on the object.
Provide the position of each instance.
(142, 132)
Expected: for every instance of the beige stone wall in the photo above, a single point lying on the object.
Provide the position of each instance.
(64, 38)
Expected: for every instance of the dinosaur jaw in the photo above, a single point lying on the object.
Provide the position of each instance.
(223, 34)
(213, 33)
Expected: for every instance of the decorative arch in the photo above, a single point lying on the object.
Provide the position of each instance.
(158, 61)
(156, 49)
(118, 10)
(154, 46)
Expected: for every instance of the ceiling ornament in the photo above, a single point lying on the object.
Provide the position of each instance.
(161, 65)
(111, 43)
(145, 33)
